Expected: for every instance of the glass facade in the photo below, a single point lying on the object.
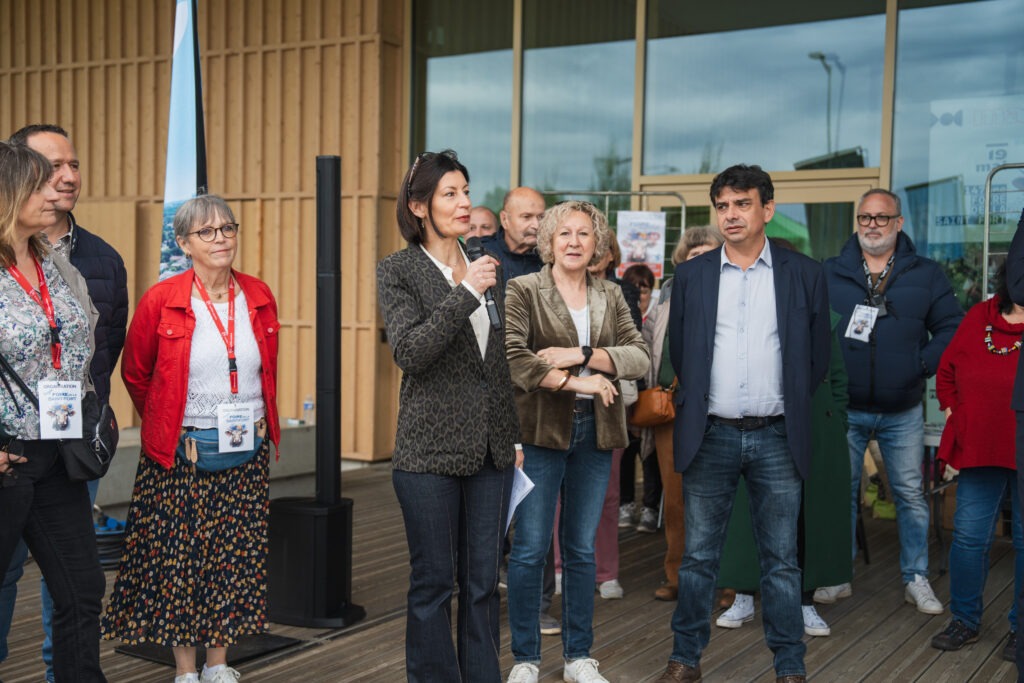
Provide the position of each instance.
(959, 113)
(724, 89)
(800, 90)
(462, 89)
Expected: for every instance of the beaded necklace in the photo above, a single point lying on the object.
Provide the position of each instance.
(1002, 351)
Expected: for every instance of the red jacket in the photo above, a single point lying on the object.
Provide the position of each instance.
(977, 385)
(155, 361)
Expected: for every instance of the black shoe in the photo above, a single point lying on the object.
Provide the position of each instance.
(1010, 651)
(956, 635)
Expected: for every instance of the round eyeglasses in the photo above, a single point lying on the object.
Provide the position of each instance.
(208, 234)
(881, 220)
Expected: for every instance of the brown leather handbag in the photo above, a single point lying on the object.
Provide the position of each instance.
(654, 407)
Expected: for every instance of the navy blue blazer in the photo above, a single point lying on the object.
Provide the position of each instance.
(801, 298)
(1015, 283)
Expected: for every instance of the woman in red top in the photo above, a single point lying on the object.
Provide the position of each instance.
(200, 362)
(974, 384)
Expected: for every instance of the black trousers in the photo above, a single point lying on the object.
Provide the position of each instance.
(54, 516)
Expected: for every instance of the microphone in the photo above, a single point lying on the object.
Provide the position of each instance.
(475, 250)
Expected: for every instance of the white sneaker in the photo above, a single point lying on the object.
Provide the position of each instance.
(187, 678)
(814, 625)
(523, 673)
(558, 583)
(582, 671)
(611, 590)
(826, 595)
(919, 592)
(225, 675)
(741, 612)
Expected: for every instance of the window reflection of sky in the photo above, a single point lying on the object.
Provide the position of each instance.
(758, 95)
(970, 50)
(469, 109)
(577, 105)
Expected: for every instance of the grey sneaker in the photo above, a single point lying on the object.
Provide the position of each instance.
(919, 593)
(626, 516)
(225, 675)
(611, 590)
(648, 521)
(549, 626)
(826, 595)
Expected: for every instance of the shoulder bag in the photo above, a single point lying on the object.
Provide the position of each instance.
(89, 457)
(654, 406)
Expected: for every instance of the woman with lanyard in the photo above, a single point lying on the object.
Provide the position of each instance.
(200, 363)
(46, 320)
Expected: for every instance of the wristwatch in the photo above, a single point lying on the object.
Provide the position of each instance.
(587, 353)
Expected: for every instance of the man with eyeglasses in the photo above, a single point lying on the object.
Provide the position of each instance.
(898, 314)
(104, 273)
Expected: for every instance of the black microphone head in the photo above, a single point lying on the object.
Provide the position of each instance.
(474, 248)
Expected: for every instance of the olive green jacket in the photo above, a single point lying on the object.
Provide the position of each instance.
(536, 317)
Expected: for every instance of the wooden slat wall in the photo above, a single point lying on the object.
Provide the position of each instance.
(283, 82)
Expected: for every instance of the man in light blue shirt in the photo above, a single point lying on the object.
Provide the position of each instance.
(749, 341)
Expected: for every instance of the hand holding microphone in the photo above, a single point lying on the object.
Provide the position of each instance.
(483, 272)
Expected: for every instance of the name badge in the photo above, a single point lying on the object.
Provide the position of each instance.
(862, 322)
(235, 428)
(60, 409)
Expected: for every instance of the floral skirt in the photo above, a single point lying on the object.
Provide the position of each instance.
(193, 570)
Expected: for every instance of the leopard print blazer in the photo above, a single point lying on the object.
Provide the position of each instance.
(453, 405)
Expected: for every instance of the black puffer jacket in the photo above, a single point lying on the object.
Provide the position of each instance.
(104, 272)
(887, 373)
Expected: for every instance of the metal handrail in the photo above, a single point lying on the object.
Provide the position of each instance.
(988, 202)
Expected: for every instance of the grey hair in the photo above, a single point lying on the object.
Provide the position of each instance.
(200, 210)
(885, 193)
(557, 215)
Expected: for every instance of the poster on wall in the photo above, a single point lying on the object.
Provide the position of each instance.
(641, 236)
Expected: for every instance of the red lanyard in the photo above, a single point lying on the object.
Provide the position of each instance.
(45, 302)
(227, 335)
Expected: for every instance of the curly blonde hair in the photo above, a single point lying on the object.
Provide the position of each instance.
(558, 214)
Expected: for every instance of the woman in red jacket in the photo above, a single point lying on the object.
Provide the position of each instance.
(203, 378)
(974, 384)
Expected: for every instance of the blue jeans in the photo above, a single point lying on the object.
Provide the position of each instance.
(709, 488)
(580, 475)
(9, 595)
(900, 437)
(979, 498)
(455, 527)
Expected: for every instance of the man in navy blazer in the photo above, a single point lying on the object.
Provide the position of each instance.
(749, 340)
(1015, 283)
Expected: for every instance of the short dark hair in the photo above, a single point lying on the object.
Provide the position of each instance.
(22, 135)
(743, 177)
(418, 185)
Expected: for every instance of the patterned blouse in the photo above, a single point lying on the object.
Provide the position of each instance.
(25, 343)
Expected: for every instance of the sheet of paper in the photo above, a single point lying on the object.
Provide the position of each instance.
(60, 409)
(235, 427)
(521, 486)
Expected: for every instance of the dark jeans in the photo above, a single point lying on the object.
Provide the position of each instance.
(1020, 498)
(55, 518)
(762, 458)
(454, 527)
(627, 477)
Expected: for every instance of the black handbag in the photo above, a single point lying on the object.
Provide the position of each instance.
(89, 457)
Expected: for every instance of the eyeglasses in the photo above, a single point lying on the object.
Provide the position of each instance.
(229, 230)
(881, 220)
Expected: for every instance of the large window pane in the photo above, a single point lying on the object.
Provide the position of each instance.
(578, 75)
(959, 114)
(462, 88)
(797, 87)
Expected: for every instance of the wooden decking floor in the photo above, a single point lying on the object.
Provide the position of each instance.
(875, 635)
